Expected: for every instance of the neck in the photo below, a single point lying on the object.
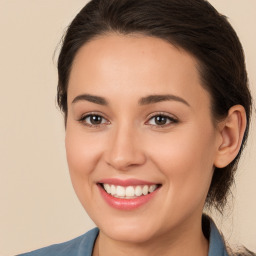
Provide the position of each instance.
(185, 241)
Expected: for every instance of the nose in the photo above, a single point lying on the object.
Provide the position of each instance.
(125, 149)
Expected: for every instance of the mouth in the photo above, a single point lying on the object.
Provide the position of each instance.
(129, 192)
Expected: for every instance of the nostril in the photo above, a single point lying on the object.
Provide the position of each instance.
(125, 160)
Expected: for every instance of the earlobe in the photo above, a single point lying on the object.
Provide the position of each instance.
(231, 131)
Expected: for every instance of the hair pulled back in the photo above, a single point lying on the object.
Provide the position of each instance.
(193, 25)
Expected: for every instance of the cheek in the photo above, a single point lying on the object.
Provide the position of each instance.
(186, 160)
(83, 154)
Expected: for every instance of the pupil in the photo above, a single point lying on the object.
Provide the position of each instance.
(95, 119)
(160, 120)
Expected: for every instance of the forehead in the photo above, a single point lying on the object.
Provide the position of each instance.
(133, 52)
(126, 62)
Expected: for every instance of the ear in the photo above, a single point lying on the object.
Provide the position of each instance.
(231, 131)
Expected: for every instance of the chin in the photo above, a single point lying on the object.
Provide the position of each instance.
(128, 234)
(131, 230)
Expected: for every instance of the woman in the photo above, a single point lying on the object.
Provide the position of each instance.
(157, 112)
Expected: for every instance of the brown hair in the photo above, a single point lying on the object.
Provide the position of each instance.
(193, 25)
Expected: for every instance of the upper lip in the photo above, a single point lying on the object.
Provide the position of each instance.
(126, 182)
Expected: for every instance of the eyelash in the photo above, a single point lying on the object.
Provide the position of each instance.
(169, 119)
(91, 115)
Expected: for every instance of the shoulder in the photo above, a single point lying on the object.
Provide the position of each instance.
(82, 245)
(217, 245)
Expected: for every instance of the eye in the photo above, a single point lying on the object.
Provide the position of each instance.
(161, 120)
(93, 120)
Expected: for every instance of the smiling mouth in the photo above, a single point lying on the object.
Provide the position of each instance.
(129, 192)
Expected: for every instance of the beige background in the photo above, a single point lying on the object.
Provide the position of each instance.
(37, 204)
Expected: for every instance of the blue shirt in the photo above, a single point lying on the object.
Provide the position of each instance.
(83, 245)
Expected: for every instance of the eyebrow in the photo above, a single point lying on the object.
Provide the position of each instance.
(150, 99)
(159, 98)
(91, 98)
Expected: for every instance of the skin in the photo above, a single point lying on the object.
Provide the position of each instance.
(179, 155)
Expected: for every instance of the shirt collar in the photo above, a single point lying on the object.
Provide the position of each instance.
(216, 241)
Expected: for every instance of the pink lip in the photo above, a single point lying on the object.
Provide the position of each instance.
(125, 183)
(125, 204)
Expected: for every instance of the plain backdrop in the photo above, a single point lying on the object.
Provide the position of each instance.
(37, 204)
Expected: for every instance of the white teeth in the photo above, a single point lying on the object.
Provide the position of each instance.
(138, 191)
(130, 191)
(113, 190)
(145, 190)
(107, 188)
(152, 188)
(120, 191)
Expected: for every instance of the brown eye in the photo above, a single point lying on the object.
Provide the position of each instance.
(93, 120)
(161, 120)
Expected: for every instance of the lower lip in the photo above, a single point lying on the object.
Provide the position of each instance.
(126, 204)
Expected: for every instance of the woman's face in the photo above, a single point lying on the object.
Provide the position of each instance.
(139, 124)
